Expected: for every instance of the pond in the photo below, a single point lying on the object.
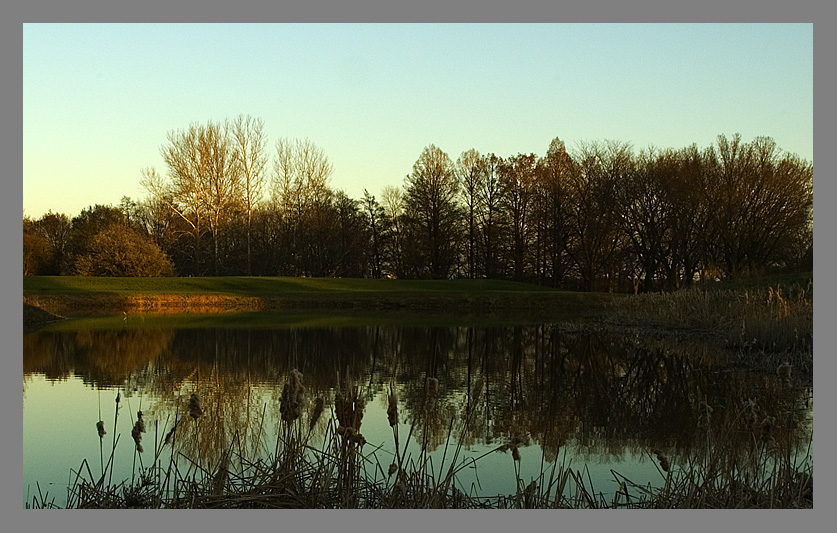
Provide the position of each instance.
(600, 404)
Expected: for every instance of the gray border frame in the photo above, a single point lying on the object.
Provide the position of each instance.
(14, 15)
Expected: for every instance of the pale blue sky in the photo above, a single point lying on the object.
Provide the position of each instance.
(99, 99)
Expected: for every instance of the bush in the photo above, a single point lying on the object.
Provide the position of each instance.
(120, 251)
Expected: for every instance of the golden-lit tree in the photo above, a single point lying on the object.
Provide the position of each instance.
(251, 161)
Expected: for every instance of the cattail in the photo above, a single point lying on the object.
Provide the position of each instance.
(343, 410)
(139, 429)
(357, 438)
(432, 388)
(767, 428)
(319, 405)
(293, 397)
(393, 468)
(751, 413)
(100, 427)
(664, 464)
(392, 409)
(784, 371)
(514, 443)
(360, 404)
(195, 410)
(170, 435)
(521, 439)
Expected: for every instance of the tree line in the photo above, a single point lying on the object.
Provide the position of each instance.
(598, 217)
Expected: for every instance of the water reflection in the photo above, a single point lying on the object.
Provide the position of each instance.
(611, 397)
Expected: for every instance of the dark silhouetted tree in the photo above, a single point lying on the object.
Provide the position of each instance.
(432, 215)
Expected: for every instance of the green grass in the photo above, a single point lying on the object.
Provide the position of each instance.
(267, 287)
(374, 298)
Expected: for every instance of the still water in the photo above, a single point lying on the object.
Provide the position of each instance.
(591, 401)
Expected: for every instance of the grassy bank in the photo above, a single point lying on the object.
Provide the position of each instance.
(74, 296)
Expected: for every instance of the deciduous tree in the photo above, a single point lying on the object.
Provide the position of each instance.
(432, 214)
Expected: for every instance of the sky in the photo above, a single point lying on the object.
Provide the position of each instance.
(100, 99)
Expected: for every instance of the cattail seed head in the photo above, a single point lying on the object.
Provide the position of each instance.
(515, 453)
(784, 371)
(393, 468)
(664, 464)
(100, 427)
(767, 428)
(360, 404)
(170, 435)
(293, 397)
(140, 422)
(195, 410)
(319, 405)
(136, 433)
(392, 409)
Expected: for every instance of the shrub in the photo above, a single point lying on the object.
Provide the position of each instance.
(118, 250)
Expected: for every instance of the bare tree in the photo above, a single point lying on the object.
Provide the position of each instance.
(432, 214)
(184, 193)
(250, 141)
(376, 218)
(554, 171)
(491, 215)
(644, 211)
(594, 234)
(760, 199)
(218, 155)
(392, 199)
(470, 168)
(517, 180)
(300, 190)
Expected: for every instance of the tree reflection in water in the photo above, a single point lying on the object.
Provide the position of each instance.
(608, 395)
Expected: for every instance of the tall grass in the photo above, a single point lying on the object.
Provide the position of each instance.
(762, 326)
(747, 459)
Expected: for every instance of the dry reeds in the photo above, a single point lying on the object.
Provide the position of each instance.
(758, 324)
